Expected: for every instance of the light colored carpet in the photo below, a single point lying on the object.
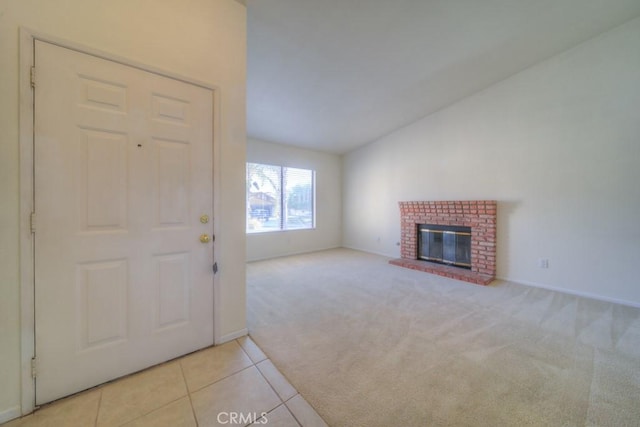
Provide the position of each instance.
(371, 344)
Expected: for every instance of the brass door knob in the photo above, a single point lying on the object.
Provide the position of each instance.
(204, 238)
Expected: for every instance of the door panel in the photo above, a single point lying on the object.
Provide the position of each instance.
(171, 170)
(102, 303)
(103, 198)
(123, 171)
(172, 290)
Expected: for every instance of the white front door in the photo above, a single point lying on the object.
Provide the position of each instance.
(123, 175)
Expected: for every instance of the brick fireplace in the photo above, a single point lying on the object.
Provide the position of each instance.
(479, 215)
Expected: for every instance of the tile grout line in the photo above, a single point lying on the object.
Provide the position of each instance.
(166, 404)
(260, 371)
(189, 393)
(152, 411)
(217, 381)
(95, 423)
(186, 386)
(253, 365)
(285, 407)
(220, 379)
(243, 350)
(247, 353)
(282, 401)
(291, 412)
(269, 382)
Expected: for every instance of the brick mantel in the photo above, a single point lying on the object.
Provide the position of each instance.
(480, 215)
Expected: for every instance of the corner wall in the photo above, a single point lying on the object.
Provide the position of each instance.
(204, 40)
(328, 231)
(556, 145)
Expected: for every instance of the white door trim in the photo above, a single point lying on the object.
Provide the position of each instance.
(26, 135)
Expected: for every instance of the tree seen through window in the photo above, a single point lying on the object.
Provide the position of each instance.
(279, 198)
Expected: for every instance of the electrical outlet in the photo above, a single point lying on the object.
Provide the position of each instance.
(543, 263)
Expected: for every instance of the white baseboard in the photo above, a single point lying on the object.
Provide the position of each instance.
(369, 251)
(292, 253)
(572, 292)
(506, 279)
(10, 414)
(232, 336)
(538, 285)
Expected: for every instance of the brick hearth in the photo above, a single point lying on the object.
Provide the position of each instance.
(480, 215)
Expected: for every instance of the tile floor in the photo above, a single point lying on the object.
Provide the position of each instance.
(232, 384)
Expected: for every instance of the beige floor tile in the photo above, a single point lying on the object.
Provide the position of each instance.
(208, 366)
(277, 380)
(176, 414)
(137, 395)
(279, 417)
(253, 351)
(26, 421)
(245, 392)
(304, 413)
(76, 411)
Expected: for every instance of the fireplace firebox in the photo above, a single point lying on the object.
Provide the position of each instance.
(450, 245)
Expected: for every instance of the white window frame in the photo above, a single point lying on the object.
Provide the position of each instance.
(282, 202)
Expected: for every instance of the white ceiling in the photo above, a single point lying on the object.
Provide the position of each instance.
(332, 75)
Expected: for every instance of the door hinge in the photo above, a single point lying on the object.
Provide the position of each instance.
(33, 77)
(33, 222)
(34, 371)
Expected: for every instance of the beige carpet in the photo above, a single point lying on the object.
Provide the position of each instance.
(371, 344)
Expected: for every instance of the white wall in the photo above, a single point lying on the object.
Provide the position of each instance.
(558, 145)
(328, 231)
(203, 40)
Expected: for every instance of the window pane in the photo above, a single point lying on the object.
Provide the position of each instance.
(279, 198)
(263, 197)
(298, 198)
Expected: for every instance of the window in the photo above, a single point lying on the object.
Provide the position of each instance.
(279, 198)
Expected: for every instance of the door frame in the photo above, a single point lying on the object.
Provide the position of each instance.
(26, 118)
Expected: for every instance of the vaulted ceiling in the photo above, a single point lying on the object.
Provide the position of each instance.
(332, 75)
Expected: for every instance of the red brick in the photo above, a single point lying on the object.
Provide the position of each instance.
(477, 214)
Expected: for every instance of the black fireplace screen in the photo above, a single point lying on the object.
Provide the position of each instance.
(445, 244)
